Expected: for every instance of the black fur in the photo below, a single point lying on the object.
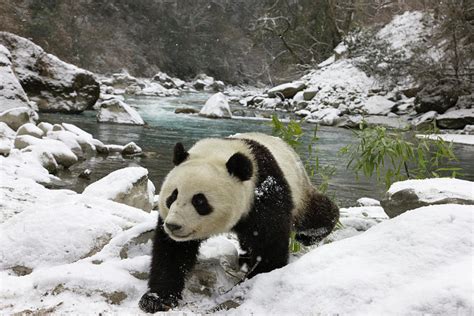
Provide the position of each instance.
(319, 219)
(265, 232)
(171, 260)
(179, 154)
(201, 204)
(170, 200)
(240, 166)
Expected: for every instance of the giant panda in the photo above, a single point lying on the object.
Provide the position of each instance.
(251, 184)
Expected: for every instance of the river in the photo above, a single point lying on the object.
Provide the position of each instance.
(165, 128)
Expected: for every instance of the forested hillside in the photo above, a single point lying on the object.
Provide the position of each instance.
(233, 40)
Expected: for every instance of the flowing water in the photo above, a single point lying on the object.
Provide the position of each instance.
(165, 128)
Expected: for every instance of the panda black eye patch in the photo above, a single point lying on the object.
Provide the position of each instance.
(170, 200)
(201, 205)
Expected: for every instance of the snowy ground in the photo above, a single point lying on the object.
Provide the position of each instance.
(455, 138)
(64, 252)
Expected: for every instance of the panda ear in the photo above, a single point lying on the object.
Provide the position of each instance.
(179, 154)
(240, 166)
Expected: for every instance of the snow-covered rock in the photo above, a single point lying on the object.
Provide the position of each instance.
(54, 85)
(288, 90)
(378, 105)
(328, 116)
(127, 186)
(116, 111)
(6, 139)
(69, 139)
(12, 94)
(456, 119)
(418, 263)
(30, 129)
(60, 151)
(424, 120)
(45, 127)
(368, 202)
(216, 106)
(16, 117)
(131, 149)
(411, 194)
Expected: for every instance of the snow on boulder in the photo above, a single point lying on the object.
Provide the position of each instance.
(30, 129)
(69, 139)
(116, 111)
(60, 229)
(365, 201)
(12, 94)
(410, 194)
(127, 186)
(60, 151)
(7, 135)
(455, 138)
(131, 149)
(378, 105)
(45, 127)
(328, 116)
(16, 117)
(216, 107)
(288, 90)
(417, 263)
(424, 120)
(54, 85)
(455, 119)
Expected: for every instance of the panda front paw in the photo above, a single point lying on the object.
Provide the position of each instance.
(152, 303)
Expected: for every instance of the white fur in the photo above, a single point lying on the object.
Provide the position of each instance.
(291, 165)
(205, 172)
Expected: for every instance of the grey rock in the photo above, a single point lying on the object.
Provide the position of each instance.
(456, 119)
(54, 85)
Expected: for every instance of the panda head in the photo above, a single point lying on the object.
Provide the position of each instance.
(203, 197)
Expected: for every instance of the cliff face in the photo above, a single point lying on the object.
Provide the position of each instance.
(233, 40)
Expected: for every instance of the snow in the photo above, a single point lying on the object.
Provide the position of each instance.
(455, 138)
(378, 105)
(128, 185)
(407, 265)
(216, 106)
(30, 129)
(364, 201)
(116, 111)
(404, 31)
(432, 190)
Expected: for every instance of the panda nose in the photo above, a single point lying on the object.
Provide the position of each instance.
(173, 227)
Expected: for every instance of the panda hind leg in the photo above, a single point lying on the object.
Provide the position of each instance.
(317, 219)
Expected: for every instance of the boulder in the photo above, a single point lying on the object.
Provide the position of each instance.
(116, 111)
(16, 117)
(288, 90)
(44, 157)
(456, 119)
(328, 116)
(61, 153)
(120, 81)
(309, 94)
(424, 120)
(411, 194)
(12, 94)
(69, 139)
(438, 96)
(131, 149)
(185, 110)
(127, 186)
(30, 129)
(465, 101)
(54, 85)
(378, 105)
(216, 107)
(45, 127)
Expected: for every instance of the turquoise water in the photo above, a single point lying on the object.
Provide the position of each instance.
(164, 128)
